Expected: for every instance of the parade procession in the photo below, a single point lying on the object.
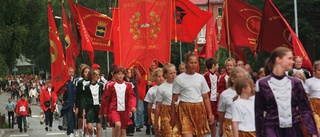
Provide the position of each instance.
(160, 68)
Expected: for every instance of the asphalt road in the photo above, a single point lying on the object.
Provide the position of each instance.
(37, 130)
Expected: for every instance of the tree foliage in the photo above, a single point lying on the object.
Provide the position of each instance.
(24, 31)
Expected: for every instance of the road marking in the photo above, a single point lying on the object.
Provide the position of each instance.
(51, 134)
(20, 135)
(35, 116)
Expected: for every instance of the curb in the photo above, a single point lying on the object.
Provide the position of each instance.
(5, 132)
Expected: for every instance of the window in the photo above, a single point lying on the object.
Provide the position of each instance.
(220, 11)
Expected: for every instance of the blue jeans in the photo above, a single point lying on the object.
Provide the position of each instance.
(20, 120)
(139, 117)
(71, 121)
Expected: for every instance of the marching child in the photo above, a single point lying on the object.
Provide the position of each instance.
(243, 124)
(82, 127)
(157, 76)
(212, 78)
(226, 100)
(91, 103)
(120, 103)
(163, 104)
(313, 89)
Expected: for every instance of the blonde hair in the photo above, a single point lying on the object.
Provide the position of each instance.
(234, 73)
(261, 70)
(166, 67)
(241, 83)
(232, 60)
(155, 73)
(303, 77)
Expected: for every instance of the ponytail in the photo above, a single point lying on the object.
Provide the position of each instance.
(268, 66)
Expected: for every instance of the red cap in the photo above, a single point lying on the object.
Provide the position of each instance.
(95, 66)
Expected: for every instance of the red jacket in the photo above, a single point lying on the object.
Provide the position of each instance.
(110, 101)
(45, 96)
(22, 108)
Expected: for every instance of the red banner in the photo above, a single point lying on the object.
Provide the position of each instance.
(211, 46)
(244, 22)
(72, 49)
(188, 20)
(98, 26)
(275, 31)
(59, 72)
(86, 40)
(144, 32)
(115, 35)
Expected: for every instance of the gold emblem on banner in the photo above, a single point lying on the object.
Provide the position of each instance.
(153, 26)
(134, 25)
(101, 29)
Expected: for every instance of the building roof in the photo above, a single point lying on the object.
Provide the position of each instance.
(201, 2)
(23, 61)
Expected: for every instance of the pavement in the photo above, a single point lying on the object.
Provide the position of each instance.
(37, 130)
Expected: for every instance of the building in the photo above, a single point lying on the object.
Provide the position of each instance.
(216, 6)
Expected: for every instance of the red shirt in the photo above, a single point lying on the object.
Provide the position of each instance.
(22, 108)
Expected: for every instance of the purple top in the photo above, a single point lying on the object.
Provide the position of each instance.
(265, 101)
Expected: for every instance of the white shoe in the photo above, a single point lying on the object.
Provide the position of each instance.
(50, 128)
(76, 133)
(71, 135)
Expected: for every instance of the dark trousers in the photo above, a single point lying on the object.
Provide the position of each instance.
(11, 119)
(130, 128)
(71, 121)
(146, 117)
(49, 117)
(21, 119)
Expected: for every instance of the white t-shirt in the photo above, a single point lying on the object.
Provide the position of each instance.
(164, 94)
(313, 87)
(151, 96)
(225, 102)
(243, 113)
(190, 87)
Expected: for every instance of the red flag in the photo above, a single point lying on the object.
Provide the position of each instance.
(195, 52)
(188, 20)
(211, 46)
(86, 40)
(59, 74)
(239, 53)
(223, 32)
(244, 22)
(144, 32)
(98, 26)
(72, 49)
(115, 35)
(275, 31)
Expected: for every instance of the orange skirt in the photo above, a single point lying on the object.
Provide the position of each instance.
(193, 119)
(247, 134)
(153, 117)
(227, 127)
(165, 128)
(315, 106)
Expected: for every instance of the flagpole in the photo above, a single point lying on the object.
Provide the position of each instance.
(180, 51)
(228, 29)
(296, 18)
(108, 62)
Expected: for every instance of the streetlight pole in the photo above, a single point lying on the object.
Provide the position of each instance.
(296, 18)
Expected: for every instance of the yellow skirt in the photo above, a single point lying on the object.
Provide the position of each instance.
(165, 128)
(153, 117)
(227, 127)
(247, 134)
(315, 106)
(193, 119)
